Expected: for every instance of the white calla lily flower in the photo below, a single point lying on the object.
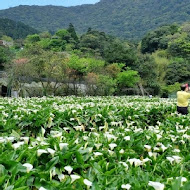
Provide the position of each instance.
(51, 151)
(2, 140)
(57, 135)
(85, 138)
(79, 128)
(74, 177)
(41, 151)
(43, 131)
(43, 143)
(98, 145)
(53, 171)
(61, 177)
(183, 179)
(28, 166)
(111, 152)
(156, 149)
(137, 162)
(87, 182)
(110, 137)
(153, 154)
(97, 154)
(158, 136)
(66, 129)
(124, 164)
(42, 188)
(121, 151)
(89, 149)
(156, 185)
(26, 139)
(63, 145)
(146, 160)
(76, 141)
(10, 139)
(170, 159)
(17, 145)
(163, 148)
(69, 169)
(112, 145)
(127, 138)
(177, 159)
(176, 150)
(126, 186)
(147, 147)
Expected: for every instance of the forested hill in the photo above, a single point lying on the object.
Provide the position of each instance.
(123, 18)
(16, 30)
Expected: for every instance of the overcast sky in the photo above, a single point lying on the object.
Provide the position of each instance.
(4, 4)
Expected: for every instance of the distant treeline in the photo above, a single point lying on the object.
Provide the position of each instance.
(105, 64)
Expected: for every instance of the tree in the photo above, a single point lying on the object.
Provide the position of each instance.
(19, 43)
(169, 89)
(127, 79)
(50, 69)
(157, 39)
(63, 35)
(56, 45)
(32, 38)
(113, 69)
(45, 35)
(162, 62)
(7, 38)
(72, 32)
(118, 52)
(178, 71)
(45, 67)
(94, 43)
(92, 65)
(19, 72)
(5, 56)
(105, 85)
(180, 47)
(31, 50)
(91, 83)
(147, 70)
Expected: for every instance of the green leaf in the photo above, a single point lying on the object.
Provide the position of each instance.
(79, 158)
(186, 186)
(52, 163)
(11, 187)
(110, 172)
(176, 184)
(97, 168)
(15, 134)
(22, 188)
(21, 181)
(95, 186)
(2, 179)
(2, 170)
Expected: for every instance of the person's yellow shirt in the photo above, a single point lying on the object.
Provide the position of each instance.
(182, 98)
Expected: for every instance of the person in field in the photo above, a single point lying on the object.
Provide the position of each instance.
(182, 99)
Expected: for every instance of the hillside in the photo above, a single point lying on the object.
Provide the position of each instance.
(16, 30)
(123, 18)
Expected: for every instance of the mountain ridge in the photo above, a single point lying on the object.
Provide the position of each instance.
(15, 29)
(130, 19)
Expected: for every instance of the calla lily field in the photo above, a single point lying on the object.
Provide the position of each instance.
(97, 143)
